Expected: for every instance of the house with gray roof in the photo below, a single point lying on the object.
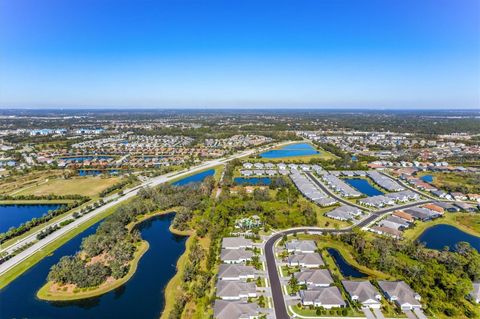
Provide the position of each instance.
(313, 260)
(235, 310)
(301, 246)
(235, 256)
(314, 277)
(236, 243)
(344, 212)
(235, 290)
(235, 272)
(400, 293)
(422, 213)
(363, 292)
(326, 297)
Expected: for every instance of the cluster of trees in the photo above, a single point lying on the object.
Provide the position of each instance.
(116, 244)
(24, 227)
(442, 278)
(117, 186)
(47, 231)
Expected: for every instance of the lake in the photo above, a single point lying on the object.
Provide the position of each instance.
(345, 268)
(141, 297)
(14, 215)
(298, 149)
(196, 178)
(363, 186)
(252, 180)
(439, 236)
(427, 178)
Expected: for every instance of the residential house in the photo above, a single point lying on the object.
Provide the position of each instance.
(235, 272)
(475, 293)
(235, 310)
(235, 256)
(326, 297)
(363, 292)
(301, 246)
(235, 290)
(314, 277)
(236, 243)
(400, 293)
(312, 260)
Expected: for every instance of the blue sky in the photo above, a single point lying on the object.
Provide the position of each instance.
(248, 53)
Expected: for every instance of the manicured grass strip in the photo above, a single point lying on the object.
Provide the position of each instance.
(19, 269)
(45, 294)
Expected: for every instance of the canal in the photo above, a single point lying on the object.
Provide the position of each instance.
(345, 268)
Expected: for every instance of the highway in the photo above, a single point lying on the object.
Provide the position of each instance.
(129, 193)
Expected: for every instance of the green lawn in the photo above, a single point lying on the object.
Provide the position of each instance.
(86, 186)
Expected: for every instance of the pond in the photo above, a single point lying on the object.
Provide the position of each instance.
(345, 268)
(141, 297)
(252, 180)
(439, 236)
(427, 178)
(196, 178)
(363, 186)
(298, 149)
(14, 215)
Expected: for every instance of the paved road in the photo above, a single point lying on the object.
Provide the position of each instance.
(326, 190)
(127, 194)
(277, 294)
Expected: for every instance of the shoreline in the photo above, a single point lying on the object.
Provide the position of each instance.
(44, 294)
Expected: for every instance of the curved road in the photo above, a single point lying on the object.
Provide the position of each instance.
(276, 287)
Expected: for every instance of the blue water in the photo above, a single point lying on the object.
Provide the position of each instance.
(196, 178)
(95, 172)
(345, 268)
(85, 158)
(298, 149)
(363, 186)
(439, 236)
(427, 178)
(252, 180)
(14, 215)
(141, 297)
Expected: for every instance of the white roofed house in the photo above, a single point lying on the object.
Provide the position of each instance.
(246, 172)
(400, 293)
(363, 292)
(235, 272)
(301, 246)
(247, 165)
(235, 256)
(235, 310)
(236, 290)
(236, 243)
(311, 260)
(326, 297)
(314, 277)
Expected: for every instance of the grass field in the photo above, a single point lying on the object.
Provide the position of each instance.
(86, 186)
(16, 271)
(469, 182)
(12, 184)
